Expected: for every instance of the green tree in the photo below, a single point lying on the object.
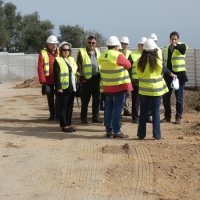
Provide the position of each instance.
(3, 32)
(13, 23)
(77, 36)
(35, 32)
(73, 34)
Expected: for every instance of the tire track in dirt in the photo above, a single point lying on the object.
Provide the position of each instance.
(133, 177)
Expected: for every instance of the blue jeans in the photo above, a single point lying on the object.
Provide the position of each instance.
(144, 108)
(114, 103)
(179, 94)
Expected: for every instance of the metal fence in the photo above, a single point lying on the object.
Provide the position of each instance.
(19, 66)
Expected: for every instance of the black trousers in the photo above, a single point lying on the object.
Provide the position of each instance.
(66, 101)
(135, 103)
(88, 89)
(53, 103)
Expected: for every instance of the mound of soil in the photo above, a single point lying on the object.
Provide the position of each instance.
(32, 83)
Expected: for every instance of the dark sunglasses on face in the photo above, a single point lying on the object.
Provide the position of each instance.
(91, 42)
(66, 50)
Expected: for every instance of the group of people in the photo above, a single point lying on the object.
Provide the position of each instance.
(146, 73)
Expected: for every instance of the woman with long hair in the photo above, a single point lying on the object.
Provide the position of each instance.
(151, 88)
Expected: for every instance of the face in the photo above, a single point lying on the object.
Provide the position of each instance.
(52, 47)
(65, 51)
(91, 44)
(174, 39)
(140, 47)
(124, 45)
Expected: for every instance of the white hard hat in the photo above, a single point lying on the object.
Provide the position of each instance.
(52, 39)
(142, 40)
(124, 39)
(113, 41)
(150, 45)
(154, 37)
(67, 43)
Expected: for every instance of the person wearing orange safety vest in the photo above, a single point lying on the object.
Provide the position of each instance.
(45, 74)
(174, 60)
(89, 77)
(65, 69)
(133, 57)
(151, 88)
(116, 82)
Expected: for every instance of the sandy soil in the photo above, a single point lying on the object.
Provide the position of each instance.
(38, 161)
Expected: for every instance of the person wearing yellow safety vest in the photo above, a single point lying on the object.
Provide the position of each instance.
(65, 69)
(45, 74)
(116, 82)
(174, 60)
(89, 77)
(124, 49)
(151, 87)
(133, 57)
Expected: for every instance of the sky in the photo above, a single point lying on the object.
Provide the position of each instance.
(132, 18)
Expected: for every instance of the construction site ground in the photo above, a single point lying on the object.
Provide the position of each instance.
(39, 162)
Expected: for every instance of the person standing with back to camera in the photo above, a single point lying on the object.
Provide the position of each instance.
(174, 60)
(151, 87)
(116, 82)
(45, 74)
(89, 77)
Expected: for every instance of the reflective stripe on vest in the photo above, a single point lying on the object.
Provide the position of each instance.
(135, 56)
(46, 62)
(64, 72)
(152, 83)
(111, 73)
(152, 87)
(87, 64)
(177, 60)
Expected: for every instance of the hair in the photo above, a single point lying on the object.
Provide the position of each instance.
(174, 33)
(91, 37)
(111, 47)
(60, 49)
(148, 56)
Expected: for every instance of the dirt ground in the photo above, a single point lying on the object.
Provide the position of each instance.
(39, 162)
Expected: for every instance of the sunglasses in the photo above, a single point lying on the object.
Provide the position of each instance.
(66, 50)
(91, 42)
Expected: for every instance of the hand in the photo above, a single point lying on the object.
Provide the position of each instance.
(173, 75)
(45, 89)
(82, 79)
(60, 91)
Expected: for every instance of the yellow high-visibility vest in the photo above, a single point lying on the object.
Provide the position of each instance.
(46, 62)
(159, 52)
(64, 73)
(128, 52)
(135, 55)
(152, 83)
(111, 73)
(87, 64)
(177, 60)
